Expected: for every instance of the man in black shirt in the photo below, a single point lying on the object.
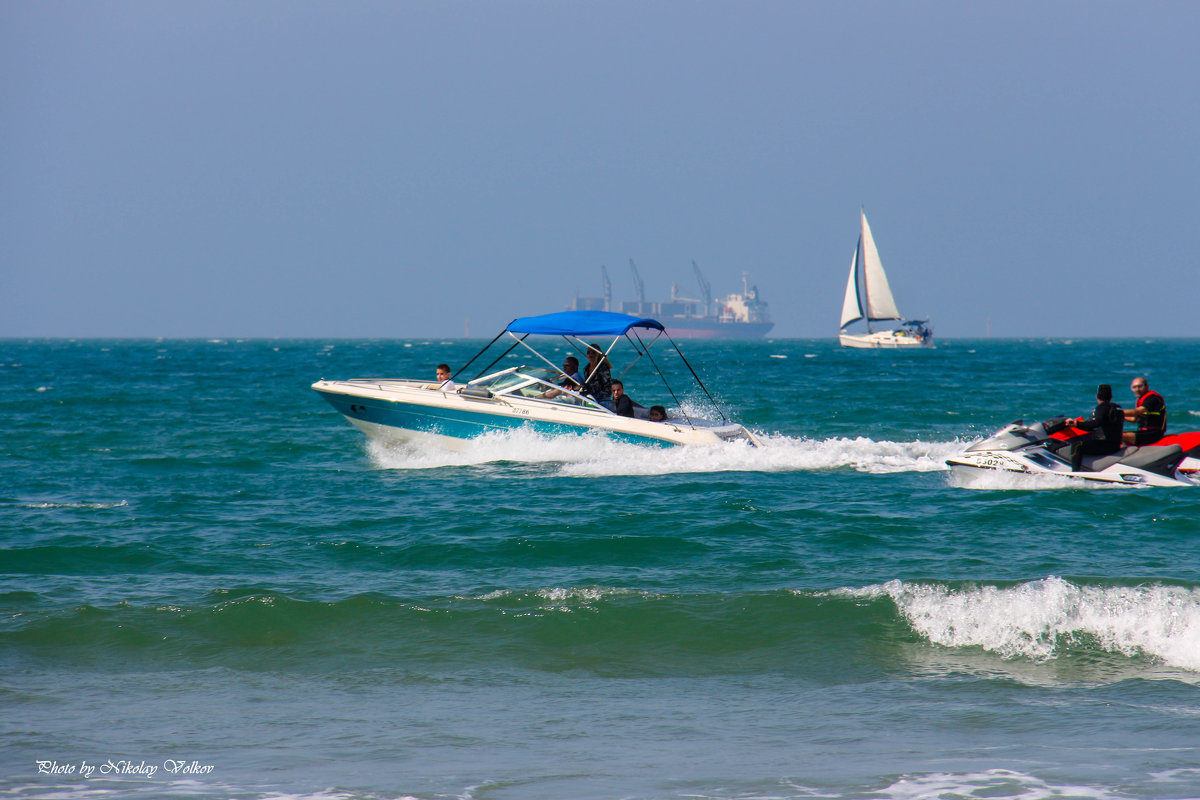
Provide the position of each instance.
(1105, 424)
(622, 403)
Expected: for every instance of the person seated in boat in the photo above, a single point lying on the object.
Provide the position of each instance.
(657, 414)
(570, 368)
(1105, 426)
(597, 378)
(444, 383)
(571, 380)
(1150, 414)
(622, 403)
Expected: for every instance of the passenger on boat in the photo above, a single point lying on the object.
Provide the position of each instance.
(1150, 414)
(1105, 425)
(622, 403)
(573, 379)
(598, 375)
(444, 383)
(658, 414)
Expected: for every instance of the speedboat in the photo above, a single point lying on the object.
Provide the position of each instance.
(1044, 448)
(532, 395)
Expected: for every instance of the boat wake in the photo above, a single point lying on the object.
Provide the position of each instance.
(1046, 618)
(595, 456)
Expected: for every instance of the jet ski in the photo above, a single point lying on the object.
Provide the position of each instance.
(1044, 448)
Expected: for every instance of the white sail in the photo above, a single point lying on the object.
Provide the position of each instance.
(880, 303)
(851, 307)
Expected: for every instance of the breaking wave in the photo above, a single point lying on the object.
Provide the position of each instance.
(1007, 783)
(1046, 618)
(829, 635)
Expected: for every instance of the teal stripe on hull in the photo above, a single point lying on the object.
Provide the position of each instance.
(459, 424)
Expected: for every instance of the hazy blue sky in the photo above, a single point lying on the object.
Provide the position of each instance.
(392, 169)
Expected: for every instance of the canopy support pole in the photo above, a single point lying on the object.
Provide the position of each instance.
(477, 355)
(697, 377)
(502, 355)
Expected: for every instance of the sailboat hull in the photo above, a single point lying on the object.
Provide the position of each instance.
(892, 340)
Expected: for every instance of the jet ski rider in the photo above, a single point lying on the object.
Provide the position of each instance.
(1150, 414)
(1105, 424)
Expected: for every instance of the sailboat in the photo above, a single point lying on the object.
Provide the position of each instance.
(868, 297)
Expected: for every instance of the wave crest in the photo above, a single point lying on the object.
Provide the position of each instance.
(1044, 618)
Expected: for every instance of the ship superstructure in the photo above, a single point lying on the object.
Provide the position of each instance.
(734, 316)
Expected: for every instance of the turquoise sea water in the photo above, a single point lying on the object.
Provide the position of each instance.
(213, 587)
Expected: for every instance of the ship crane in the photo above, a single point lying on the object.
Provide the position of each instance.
(637, 282)
(705, 289)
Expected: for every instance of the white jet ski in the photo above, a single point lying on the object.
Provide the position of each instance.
(1044, 448)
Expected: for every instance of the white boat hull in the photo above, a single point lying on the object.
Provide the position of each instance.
(884, 340)
(393, 411)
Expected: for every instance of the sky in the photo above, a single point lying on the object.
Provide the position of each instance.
(291, 168)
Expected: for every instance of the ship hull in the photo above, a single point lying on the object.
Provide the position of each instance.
(701, 328)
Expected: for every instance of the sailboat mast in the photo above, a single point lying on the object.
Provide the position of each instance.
(865, 296)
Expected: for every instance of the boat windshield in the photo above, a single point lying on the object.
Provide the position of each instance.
(532, 382)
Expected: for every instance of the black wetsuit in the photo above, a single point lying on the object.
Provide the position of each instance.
(1106, 423)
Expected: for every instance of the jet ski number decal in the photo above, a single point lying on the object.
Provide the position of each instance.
(999, 462)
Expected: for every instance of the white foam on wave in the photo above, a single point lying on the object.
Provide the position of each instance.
(595, 455)
(1006, 783)
(990, 783)
(97, 506)
(566, 599)
(95, 789)
(1039, 619)
(585, 594)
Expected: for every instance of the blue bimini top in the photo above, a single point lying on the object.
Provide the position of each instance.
(581, 323)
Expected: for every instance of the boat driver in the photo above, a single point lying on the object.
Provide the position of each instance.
(1105, 424)
(570, 368)
(573, 379)
(1150, 414)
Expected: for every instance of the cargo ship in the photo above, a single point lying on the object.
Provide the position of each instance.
(734, 316)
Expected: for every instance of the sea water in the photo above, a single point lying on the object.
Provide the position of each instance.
(214, 587)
